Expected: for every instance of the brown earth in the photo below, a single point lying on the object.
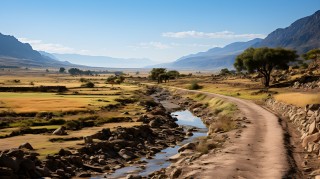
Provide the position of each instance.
(259, 152)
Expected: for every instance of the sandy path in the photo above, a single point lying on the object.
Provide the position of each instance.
(258, 153)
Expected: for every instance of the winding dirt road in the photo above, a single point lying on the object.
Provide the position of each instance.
(258, 153)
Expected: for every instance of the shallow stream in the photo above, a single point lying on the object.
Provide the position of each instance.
(161, 159)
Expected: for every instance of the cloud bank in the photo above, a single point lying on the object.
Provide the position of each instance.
(211, 35)
(50, 47)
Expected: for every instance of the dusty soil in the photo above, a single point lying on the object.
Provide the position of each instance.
(259, 152)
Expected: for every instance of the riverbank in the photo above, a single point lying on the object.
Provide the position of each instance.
(255, 151)
(103, 152)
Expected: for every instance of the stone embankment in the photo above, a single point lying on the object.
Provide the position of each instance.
(306, 86)
(103, 152)
(307, 121)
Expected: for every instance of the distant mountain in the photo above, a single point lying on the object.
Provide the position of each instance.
(12, 47)
(213, 58)
(15, 53)
(302, 35)
(104, 61)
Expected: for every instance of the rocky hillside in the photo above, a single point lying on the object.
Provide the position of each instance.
(18, 54)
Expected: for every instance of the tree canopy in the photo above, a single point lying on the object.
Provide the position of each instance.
(62, 70)
(115, 79)
(155, 72)
(76, 71)
(264, 60)
(313, 55)
(161, 74)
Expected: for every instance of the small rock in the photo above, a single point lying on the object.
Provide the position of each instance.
(133, 176)
(88, 139)
(84, 175)
(312, 128)
(307, 169)
(175, 173)
(60, 131)
(186, 146)
(60, 172)
(311, 138)
(26, 145)
(315, 172)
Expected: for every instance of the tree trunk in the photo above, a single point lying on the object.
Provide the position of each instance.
(266, 80)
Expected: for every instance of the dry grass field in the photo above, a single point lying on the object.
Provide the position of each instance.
(247, 89)
(76, 104)
(299, 99)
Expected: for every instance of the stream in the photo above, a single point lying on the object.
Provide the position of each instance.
(161, 159)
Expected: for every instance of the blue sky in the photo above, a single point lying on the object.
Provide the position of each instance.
(159, 30)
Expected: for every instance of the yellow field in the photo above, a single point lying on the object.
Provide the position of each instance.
(36, 102)
(299, 99)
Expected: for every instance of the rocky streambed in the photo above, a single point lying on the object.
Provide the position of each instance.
(194, 128)
(147, 148)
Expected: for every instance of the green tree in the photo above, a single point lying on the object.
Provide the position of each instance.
(155, 72)
(264, 60)
(115, 79)
(62, 70)
(313, 55)
(224, 71)
(163, 77)
(88, 84)
(173, 74)
(74, 71)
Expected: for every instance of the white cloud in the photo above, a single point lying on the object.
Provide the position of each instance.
(213, 35)
(154, 45)
(161, 46)
(51, 47)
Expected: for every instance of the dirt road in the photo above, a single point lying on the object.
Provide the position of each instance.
(258, 153)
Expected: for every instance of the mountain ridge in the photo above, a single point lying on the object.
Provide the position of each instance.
(302, 35)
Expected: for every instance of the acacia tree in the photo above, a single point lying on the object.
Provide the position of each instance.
(313, 55)
(264, 60)
(155, 72)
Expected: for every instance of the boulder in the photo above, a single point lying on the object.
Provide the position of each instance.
(6, 161)
(311, 138)
(26, 145)
(60, 131)
(63, 152)
(154, 123)
(5, 172)
(17, 153)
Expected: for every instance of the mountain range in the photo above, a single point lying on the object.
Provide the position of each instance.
(302, 36)
(214, 58)
(104, 61)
